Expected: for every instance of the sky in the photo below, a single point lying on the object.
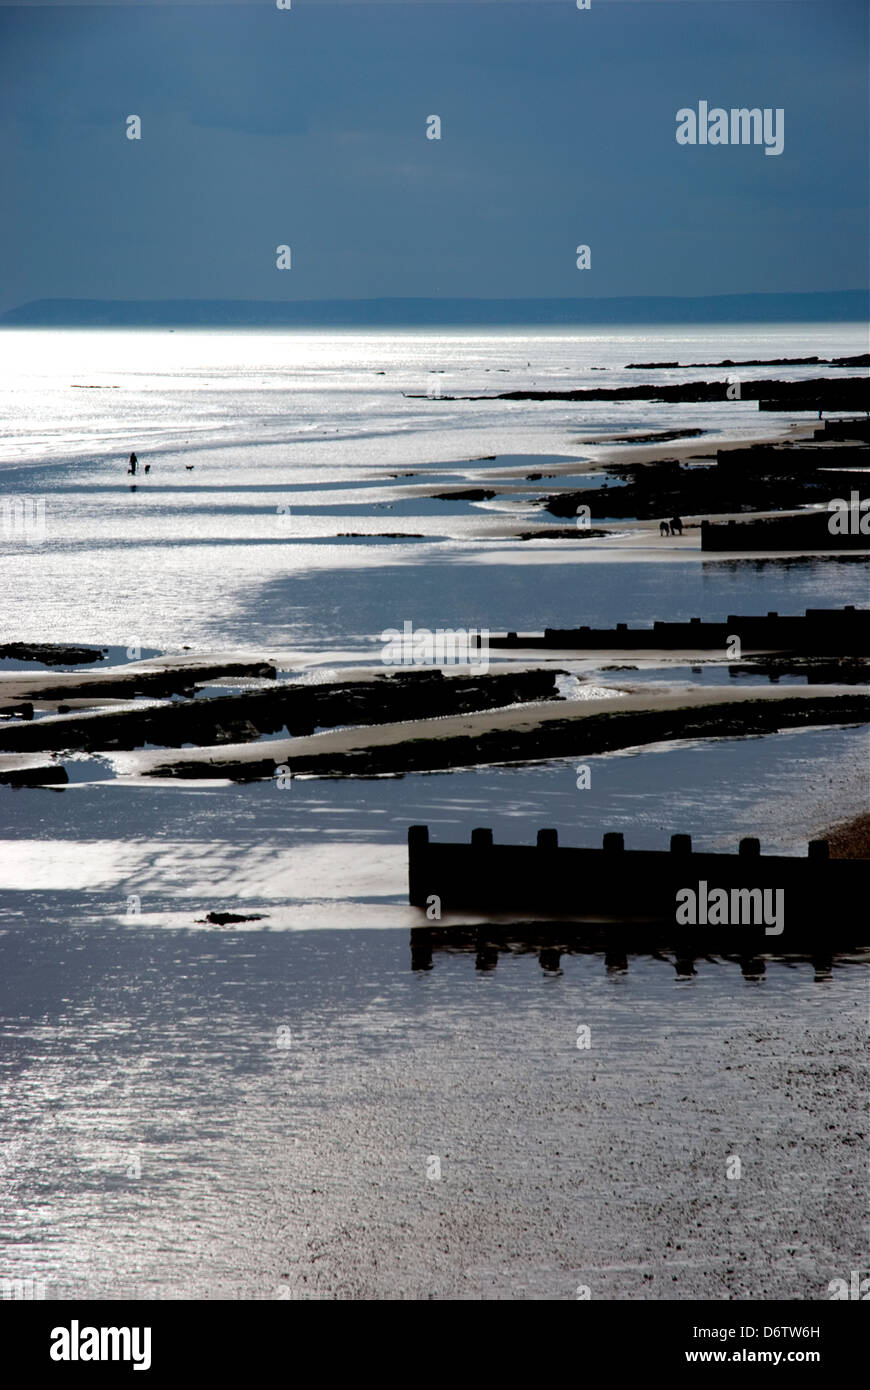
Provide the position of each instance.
(307, 127)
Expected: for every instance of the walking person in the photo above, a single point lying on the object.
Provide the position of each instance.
(133, 462)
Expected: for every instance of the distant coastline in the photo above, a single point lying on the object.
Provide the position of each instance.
(835, 306)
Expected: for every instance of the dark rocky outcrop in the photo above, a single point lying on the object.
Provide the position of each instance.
(124, 683)
(52, 653)
(420, 694)
(38, 775)
(849, 393)
(557, 738)
(223, 919)
(469, 494)
(763, 477)
(860, 360)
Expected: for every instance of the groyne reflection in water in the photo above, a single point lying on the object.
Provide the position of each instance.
(615, 946)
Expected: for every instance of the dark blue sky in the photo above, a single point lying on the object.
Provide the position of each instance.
(308, 127)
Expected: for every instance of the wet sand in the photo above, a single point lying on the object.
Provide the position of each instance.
(308, 1171)
(604, 1168)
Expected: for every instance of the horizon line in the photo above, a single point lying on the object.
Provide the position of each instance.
(439, 299)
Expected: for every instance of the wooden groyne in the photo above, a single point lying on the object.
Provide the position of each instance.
(819, 394)
(809, 531)
(838, 631)
(790, 460)
(844, 429)
(768, 901)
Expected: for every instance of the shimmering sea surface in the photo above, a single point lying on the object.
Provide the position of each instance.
(254, 1110)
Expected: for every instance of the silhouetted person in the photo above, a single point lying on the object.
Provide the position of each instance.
(676, 526)
(133, 462)
(487, 957)
(664, 528)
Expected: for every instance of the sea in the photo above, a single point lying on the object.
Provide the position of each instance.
(254, 1110)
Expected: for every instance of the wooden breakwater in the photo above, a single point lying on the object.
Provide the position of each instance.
(790, 460)
(808, 531)
(818, 630)
(853, 393)
(844, 429)
(721, 901)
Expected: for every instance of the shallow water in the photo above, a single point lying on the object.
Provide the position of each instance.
(256, 1116)
(196, 387)
(250, 435)
(331, 852)
(161, 1135)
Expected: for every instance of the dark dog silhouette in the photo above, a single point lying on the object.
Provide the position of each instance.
(664, 528)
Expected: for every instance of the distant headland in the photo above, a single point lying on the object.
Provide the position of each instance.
(841, 306)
